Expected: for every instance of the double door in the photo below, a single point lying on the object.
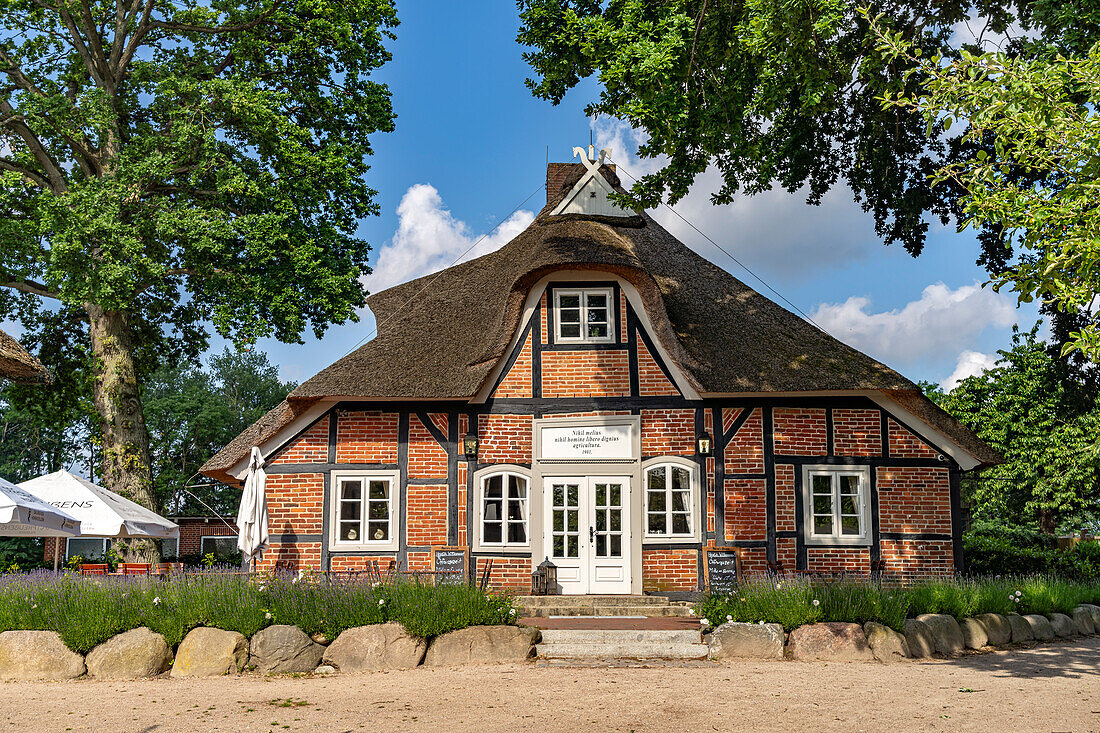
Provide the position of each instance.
(587, 532)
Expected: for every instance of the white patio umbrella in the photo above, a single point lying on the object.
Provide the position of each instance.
(102, 513)
(22, 514)
(252, 515)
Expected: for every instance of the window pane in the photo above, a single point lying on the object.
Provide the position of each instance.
(601, 545)
(597, 315)
(574, 493)
(559, 520)
(379, 530)
(571, 330)
(379, 489)
(596, 300)
(847, 504)
(569, 301)
(656, 501)
(657, 523)
(349, 531)
(616, 545)
(680, 524)
(657, 478)
(379, 510)
(681, 478)
(616, 521)
(572, 519)
(597, 331)
(515, 510)
(601, 494)
(559, 495)
(493, 487)
(573, 546)
(492, 532)
(822, 484)
(88, 548)
(517, 487)
(615, 499)
(849, 525)
(849, 484)
(680, 501)
(351, 489)
(823, 525)
(601, 521)
(517, 532)
(823, 504)
(559, 546)
(492, 510)
(350, 509)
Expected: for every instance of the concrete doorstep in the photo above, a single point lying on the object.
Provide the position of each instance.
(621, 644)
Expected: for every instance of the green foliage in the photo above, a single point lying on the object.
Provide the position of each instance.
(1022, 408)
(782, 600)
(426, 610)
(777, 92)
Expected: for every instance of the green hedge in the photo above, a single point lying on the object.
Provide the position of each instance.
(794, 601)
(86, 611)
(1016, 552)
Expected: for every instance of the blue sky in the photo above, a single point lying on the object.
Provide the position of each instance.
(471, 144)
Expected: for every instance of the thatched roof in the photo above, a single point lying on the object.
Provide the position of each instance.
(441, 335)
(18, 365)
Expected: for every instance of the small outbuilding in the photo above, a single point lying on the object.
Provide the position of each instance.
(17, 365)
(596, 393)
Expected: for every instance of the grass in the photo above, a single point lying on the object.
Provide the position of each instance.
(793, 601)
(86, 611)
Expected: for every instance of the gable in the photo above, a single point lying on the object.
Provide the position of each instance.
(590, 196)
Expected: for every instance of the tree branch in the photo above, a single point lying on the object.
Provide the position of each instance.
(187, 28)
(33, 176)
(53, 171)
(31, 287)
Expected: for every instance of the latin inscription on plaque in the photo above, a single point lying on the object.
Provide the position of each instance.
(586, 443)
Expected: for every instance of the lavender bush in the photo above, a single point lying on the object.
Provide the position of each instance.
(86, 611)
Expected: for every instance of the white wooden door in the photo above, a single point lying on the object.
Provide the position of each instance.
(587, 533)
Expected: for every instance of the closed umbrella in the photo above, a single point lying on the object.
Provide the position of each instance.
(252, 516)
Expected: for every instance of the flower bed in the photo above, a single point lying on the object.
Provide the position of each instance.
(796, 601)
(86, 611)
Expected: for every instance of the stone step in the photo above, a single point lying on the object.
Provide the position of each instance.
(535, 601)
(546, 611)
(622, 650)
(621, 636)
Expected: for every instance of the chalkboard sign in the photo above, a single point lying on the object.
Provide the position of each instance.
(451, 565)
(722, 567)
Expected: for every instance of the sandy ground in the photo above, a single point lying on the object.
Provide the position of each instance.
(1054, 687)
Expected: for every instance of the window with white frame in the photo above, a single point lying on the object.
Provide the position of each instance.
(365, 507)
(89, 548)
(219, 545)
(584, 315)
(504, 510)
(669, 504)
(837, 505)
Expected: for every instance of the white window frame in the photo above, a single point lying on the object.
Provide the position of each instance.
(863, 511)
(693, 499)
(176, 550)
(335, 544)
(505, 477)
(477, 502)
(103, 555)
(583, 294)
(206, 537)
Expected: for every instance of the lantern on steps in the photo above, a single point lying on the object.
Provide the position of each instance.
(544, 581)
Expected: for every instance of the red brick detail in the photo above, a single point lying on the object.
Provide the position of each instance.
(652, 381)
(903, 444)
(439, 420)
(623, 336)
(909, 561)
(746, 509)
(504, 438)
(784, 498)
(914, 500)
(857, 433)
(295, 502)
(426, 515)
(517, 383)
(310, 447)
(754, 561)
(668, 432)
(366, 437)
(670, 570)
(507, 574)
(799, 431)
(419, 561)
(853, 560)
(426, 458)
(592, 373)
(291, 557)
(729, 415)
(785, 553)
(745, 452)
(543, 336)
(346, 563)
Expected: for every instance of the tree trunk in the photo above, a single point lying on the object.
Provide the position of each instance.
(1048, 521)
(124, 457)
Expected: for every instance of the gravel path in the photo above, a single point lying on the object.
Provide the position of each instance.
(1049, 687)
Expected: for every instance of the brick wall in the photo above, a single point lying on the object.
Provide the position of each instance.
(311, 447)
(670, 570)
(668, 432)
(426, 515)
(291, 557)
(914, 500)
(651, 380)
(504, 438)
(294, 503)
(746, 509)
(427, 459)
(857, 433)
(799, 432)
(835, 560)
(754, 561)
(745, 452)
(344, 563)
(192, 532)
(786, 552)
(908, 561)
(589, 373)
(784, 498)
(517, 383)
(508, 573)
(366, 437)
(903, 444)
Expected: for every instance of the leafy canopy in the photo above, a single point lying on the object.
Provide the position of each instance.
(191, 162)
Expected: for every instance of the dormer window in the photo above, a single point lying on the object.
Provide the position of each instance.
(584, 316)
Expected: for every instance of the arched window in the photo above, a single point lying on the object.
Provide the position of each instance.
(504, 510)
(669, 500)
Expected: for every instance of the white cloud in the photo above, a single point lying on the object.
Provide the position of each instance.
(775, 231)
(970, 364)
(429, 238)
(942, 322)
